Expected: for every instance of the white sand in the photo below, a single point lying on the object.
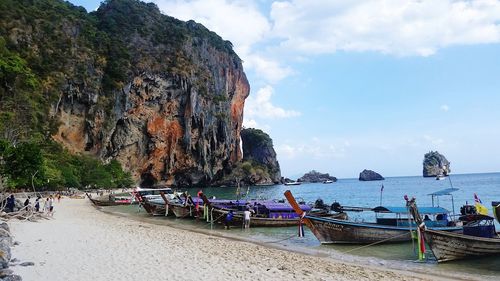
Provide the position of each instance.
(83, 243)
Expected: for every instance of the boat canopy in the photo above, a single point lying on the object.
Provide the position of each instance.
(404, 210)
(446, 191)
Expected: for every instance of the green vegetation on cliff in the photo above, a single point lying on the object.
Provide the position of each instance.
(48, 45)
(259, 164)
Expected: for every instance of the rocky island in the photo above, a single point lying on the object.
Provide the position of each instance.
(435, 164)
(369, 175)
(314, 176)
(259, 165)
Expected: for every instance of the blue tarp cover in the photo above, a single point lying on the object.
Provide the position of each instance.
(447, 191)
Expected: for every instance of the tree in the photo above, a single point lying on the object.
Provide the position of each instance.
(22, 162)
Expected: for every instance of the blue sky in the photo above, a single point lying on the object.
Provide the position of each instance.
(342, 86)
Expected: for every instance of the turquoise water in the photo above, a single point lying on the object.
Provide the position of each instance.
(351, 192)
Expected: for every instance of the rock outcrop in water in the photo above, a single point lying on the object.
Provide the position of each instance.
(162, 96)
(369, 175)
(258, 148)
(435, 164)
(314, 176)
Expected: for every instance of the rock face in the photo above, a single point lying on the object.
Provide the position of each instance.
(369, 175)
(162, 96)
(258, 147)
(314, 176)
(435, 164)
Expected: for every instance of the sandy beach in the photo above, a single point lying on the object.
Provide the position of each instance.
(84, 243)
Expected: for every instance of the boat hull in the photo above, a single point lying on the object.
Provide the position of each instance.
(181, 211)
(219, 215)
(496, 210)
(329, 231)
(335, 231)
(447, 246)
(104, 203)
(156, 209)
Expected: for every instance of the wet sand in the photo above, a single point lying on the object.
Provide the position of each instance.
(83, 243)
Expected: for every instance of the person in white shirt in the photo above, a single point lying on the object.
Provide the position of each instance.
(246, 217)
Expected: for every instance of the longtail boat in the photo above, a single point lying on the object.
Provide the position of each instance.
(479, 238)
(496, 210)
(188, 207)
(385, 230)
(266, 213)
(112, 201)
(150, 199)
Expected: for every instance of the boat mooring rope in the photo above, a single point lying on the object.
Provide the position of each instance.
(378, 242)
(288, 238)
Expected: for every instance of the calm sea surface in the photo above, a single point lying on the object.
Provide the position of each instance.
(351, 192)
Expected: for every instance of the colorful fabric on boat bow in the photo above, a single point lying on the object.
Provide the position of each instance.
(481, 209)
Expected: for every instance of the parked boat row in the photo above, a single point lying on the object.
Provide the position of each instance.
(449, 236)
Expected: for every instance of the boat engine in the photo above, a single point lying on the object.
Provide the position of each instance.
(468, 210)
(319, 204)
(336, 207)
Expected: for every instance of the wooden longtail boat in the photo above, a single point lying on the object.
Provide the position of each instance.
(330, 230)
(266, 213)
(478, 238)
(182, 208)
(150, 199)
(257, 221)
(496, 210)
(103, 203)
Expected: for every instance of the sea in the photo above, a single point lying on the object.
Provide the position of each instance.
(352, 192)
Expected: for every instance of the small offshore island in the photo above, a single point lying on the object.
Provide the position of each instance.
(116, 125)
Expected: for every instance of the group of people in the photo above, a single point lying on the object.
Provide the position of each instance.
(48, 204)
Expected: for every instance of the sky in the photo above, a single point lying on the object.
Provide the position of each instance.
(342, 86)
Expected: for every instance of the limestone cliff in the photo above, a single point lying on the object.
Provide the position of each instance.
(258, 147)
(435, 164)
(162, 96)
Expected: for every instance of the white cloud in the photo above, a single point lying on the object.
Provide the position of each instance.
(315, 149)
(238, 21)
(445, 107)
(433, 140)
(261, 106)
(401, 27)
(268, 69)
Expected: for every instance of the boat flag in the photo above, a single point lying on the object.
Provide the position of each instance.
(476, 199)
(481, 209)
(381, 191)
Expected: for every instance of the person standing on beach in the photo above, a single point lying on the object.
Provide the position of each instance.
(27, 203)
(51, 205)
(246, 221)
(229, 219)
(11, 203)
(37, 204)
(46, 205)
